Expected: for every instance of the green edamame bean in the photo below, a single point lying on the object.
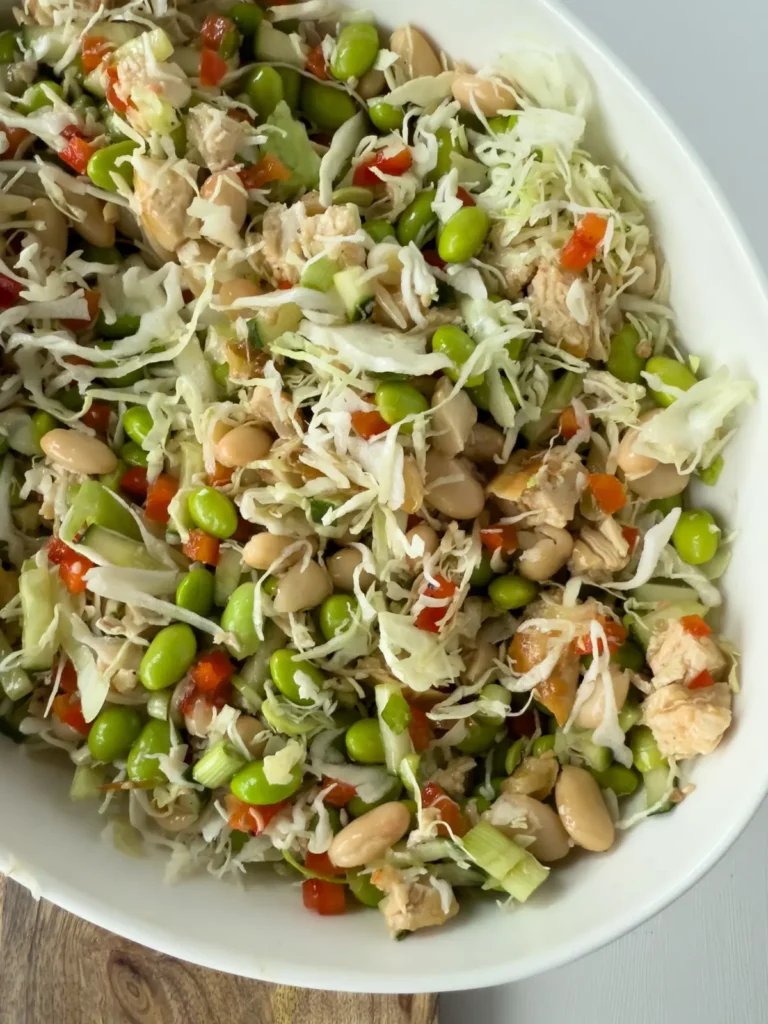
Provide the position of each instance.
(153, 741)
(482, 574)
(496, 692)
(291, 86)
(85, 105)
(113, 733)
(357, 807)
(336, 614)
(237, 619)
(355, 52)
(645, 751)
(623, 781)
(133, 454)
(168, 657)
(542, 745)
(665, 505)
(7, 47)
(137, 423)
(624, 360)
(671, 373)
(464, 235)
(42, 423)
(385, 117)
(379, 229)
(325, 106)
(355, 194)
(213, 512)
(458, 346)
(395, 401)
(512, 591)
(446, 147)
(696, 537)
(480, 736)
(283, 667)
(711, 473)
(481, 395)
(364, 890)
(629, 656)
(363, 742)
(247, 17)
(124, 325)
(109, 255)
(36, 96)
(108, 161)
(514, 756)
(265, 89)
(251, 786)
(195, 592)
(417, 222)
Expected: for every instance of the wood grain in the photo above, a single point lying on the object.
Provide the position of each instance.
(57, 969)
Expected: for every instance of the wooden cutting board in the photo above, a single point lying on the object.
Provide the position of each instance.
(57, 969)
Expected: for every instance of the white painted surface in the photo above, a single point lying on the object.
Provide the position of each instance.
(704, 958)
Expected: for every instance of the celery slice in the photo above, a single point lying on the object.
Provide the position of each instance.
(87, 782)
(218, 765)
(397, 744)
(516, 871)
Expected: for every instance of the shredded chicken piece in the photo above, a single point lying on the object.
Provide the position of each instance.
(549, 486)
(409, 906)
(214, 135)
(163, 194)
(686, 722)
(577, 333)
(601, 552)
(292, 236)
(518, 264)
(453, 778)
(676, 656)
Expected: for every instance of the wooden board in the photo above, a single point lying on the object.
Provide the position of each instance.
(57, 969)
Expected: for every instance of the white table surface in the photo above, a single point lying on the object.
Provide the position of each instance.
(703, 959)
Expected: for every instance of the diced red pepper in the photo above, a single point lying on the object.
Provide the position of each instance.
(630, 535)
(316, 64)
(134, 482)
(211, 670)
(694, 625)
(569, 425)
(339, 794)
(433, 259)
(435, 796)
(608, 491)
(72, 566)
(500, 538)
(160, 494)
(369, 423)
(116, 102)
(592, 228)
(244, 531)
(615, 634)
(701, 681)
(325, 898)
(252, 818)
(221, 475)
(10, 291)
(93, 50)
(465, 197)
(57, 551)
(284, 286)
(201, 547)
(212, 67)
(429, 619)
(321, 864)
(419, 729)
(67, 709)
(97, 417)
(395, 165)
(68, 678)
(215, 27)
(15, 137)
(581, 248)
(92, 301)
(267, 170)
(77, 153)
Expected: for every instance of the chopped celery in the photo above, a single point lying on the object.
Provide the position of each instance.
(227, 575)
(629, 715)
(37, 607)
(118, 549)
(87, 782)
(397, 742)
(218, 765)
(642, 626)
(516, 871)
(14, 681)
(158, 704)
(272, 711)
(408, 770)
(274, 46)
(95, 504)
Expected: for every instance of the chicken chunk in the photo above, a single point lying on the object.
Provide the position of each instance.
(601, 552)
(676, 656)
(548, 486)
(292, 237)
(214, 136)
(565, 305)
(410, 905)
(687, 722)
(163, 194)
(517, 264)
(453, 778)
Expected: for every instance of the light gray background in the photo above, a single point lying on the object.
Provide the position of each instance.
(704, 960)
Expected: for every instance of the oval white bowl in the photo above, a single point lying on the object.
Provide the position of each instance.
(53, 846)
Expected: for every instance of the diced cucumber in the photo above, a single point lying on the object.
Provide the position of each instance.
(119, 550)
(356, 292)
(642, 626)
(264, 328)
(94, 83)
(159, 43)
(319, 274)
(10, 723)
(227, 575)
(277, 47)
(95, 504)
(87, 782)
(37, 608)
(46, 43)
(669, 593)
(560, 395)
(655, 785)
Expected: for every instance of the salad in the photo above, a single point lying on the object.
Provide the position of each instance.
(346, 448)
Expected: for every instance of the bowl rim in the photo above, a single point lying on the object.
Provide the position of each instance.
(77, 901)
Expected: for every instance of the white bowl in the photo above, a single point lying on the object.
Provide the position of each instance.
(53, 845)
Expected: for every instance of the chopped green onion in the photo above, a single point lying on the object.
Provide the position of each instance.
(397, 714)
(218, 765)
(397, 745)
(516, 871)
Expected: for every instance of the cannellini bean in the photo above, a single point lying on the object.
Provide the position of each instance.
(243, 445)
(590, 714)
(430, 540)
(645, 285)
(237, 288)
(163, 196)
(632, 464)
(663, 482)
(51, 230)
(582, 810)
(301, 589)
(452, 488)
(199, 717)
(489, 95)
(195, 258)
(371, 84)
(249, 729)
(263, 548)
(93, 227)
(413, 494)
(546, 552)
(550, 840)
(484, 443)
(79, 453)
(225, 189)
(367, 838)
(415, 53)
(452, 420)
(341, 568)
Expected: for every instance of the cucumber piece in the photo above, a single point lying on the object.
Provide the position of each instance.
(356, 292)
(654, 787)
(226, 576)
(653, 593)
(95, 504)
(10, 723)
(276, 47)
(45, 43)
(94, 84)
(119, 550)
(159, 43)
(263, 330)
(560, 395)
(319, 274)
(37, 607)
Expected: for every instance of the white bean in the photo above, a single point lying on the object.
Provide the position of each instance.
(549, 550)
(263, 548)
(367, 838)
(429, 538)
(452, 488)
(93, 227)
(341, 568)
(301, 589)
(582, 810)
(237, 288)
(250, 729)
(590, 714)
(550, 840)
(415, 53)
(79, 453)
(484, 443)
(487, 94)
(663, 482)
(52, 227)
(371, 84)
(243, 445)
(225, 189)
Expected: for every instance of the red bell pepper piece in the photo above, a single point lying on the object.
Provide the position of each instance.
(212, 67)
(394, 164)
(369, 423)
(429, 618)
(201, 547)
(325, 898)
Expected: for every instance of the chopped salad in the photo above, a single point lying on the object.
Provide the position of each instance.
(346, 448)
